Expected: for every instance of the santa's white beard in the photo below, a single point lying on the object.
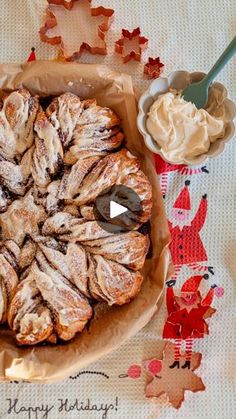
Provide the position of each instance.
(181, 224)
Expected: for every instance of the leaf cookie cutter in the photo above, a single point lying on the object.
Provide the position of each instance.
(51, 22)
(127, 37)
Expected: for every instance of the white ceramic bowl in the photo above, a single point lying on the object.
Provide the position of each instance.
(179, 80)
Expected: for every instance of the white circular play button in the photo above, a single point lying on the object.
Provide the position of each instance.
(118, 209)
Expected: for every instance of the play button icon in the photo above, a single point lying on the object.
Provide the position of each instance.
(118, 209)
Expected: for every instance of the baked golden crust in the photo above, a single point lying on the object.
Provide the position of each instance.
(111, 282)
(45, 303)
(73, 176)
(17, 118)
(8, 278)
(140, 184)
(28, 317)
(54, 256)
(63, 113)
(108, 172)
(48, 153)
(128, 249)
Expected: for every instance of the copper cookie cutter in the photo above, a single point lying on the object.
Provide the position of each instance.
(51, 22)
(153, 68)
(127, 36)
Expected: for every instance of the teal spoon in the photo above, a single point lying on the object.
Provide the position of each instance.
(197, 93)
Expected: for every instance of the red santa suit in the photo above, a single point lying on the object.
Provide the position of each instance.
(186, 246)
(183, 324)
(186, 320)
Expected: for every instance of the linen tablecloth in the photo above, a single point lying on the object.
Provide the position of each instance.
(186, 34)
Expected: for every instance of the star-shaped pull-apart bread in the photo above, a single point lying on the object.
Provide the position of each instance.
(56, 260)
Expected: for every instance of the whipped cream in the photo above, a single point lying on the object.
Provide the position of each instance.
(180, 129)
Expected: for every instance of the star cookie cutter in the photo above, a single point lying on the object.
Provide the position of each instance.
(153, 68)
(127, 37)
(172, 383)
(68, 4)
(51, 23)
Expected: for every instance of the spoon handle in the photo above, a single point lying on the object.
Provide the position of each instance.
(221, 62)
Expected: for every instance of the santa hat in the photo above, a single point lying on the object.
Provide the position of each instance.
(32, 56)
(192, 284)
(183, 200)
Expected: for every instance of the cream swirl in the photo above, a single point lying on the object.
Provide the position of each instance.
(180, 129)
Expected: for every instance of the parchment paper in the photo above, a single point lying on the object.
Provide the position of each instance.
(110, 327)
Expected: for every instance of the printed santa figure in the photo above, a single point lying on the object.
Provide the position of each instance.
(186, 246)
(163, 168)
(187, 314)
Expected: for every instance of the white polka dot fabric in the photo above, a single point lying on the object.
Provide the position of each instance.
(186, 34)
